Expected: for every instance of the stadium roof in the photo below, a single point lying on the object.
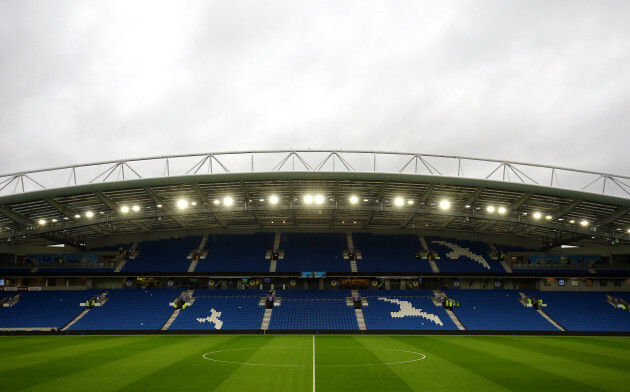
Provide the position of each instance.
(392, 191)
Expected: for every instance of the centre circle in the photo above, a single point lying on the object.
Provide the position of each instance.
(406, 357)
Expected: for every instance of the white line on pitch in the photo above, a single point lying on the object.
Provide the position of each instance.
(313, 363)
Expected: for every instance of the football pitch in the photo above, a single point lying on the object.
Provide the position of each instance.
(308, 363)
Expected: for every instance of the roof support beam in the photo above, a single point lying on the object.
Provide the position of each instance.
(158, 200)
(471, 199)
(619, 212)
(514, 206)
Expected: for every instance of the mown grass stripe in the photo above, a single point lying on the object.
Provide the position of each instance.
(524, 366)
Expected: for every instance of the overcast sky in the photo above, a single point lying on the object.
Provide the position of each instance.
(533, 81)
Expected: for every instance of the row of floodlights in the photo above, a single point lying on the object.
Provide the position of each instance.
(319, 199)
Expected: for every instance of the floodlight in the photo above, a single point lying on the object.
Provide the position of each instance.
(354, 199)
(502, 210)
(194, 203)
(217, 202)
(89, 214)
(584, 223)
(572, 221)
(467, 205)
(490, 209)
(77, 216)
(548, 217)
(537, 215)
(308, 199)
(399, 201)
(54, 220)
(445, 204)
(42, 222)
(124, 209)
(365, 200)
(135, 208)
(319, 199)
(410, 202)
(273, 199)
(228, 201)
(182, 203)
(159, 206)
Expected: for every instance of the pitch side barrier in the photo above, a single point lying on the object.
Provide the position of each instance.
(312, 332)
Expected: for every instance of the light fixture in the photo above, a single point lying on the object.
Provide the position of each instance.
(135, 208)
(445, 204)
(42, 222)
(228, 201)
(89, 214)
(537, 215)
(273, 199)
(54, 220)
(194, 203)
(77, 216)
(365, 200)
(584, 223)
(308, 199)
(182, 203)
(399, 201)
(319, 199)
(159, 206)
(548, 217)
(572, 221)
(217, 202)
(502, 210)
(467, 205)
(490, 209)
(410, 202)
(124, 209)
(354, 199)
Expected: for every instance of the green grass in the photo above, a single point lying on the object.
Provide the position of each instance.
(342, 363)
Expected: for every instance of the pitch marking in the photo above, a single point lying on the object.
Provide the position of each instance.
(420, 357)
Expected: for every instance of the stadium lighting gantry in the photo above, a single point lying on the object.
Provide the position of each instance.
(445, 204)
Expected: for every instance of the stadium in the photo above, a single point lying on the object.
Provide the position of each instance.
(318, 270)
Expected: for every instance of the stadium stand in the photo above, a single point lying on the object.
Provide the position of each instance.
(313, 310)
(133, 309)
(226, 253)
(395, 253)
(404, 310)
(583, 311)
(456, 256)
(44, 309)
(313, 252)
(496, 310)
(222, 309)
(163, 255)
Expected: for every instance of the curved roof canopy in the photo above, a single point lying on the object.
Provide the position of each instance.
(314, 190)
